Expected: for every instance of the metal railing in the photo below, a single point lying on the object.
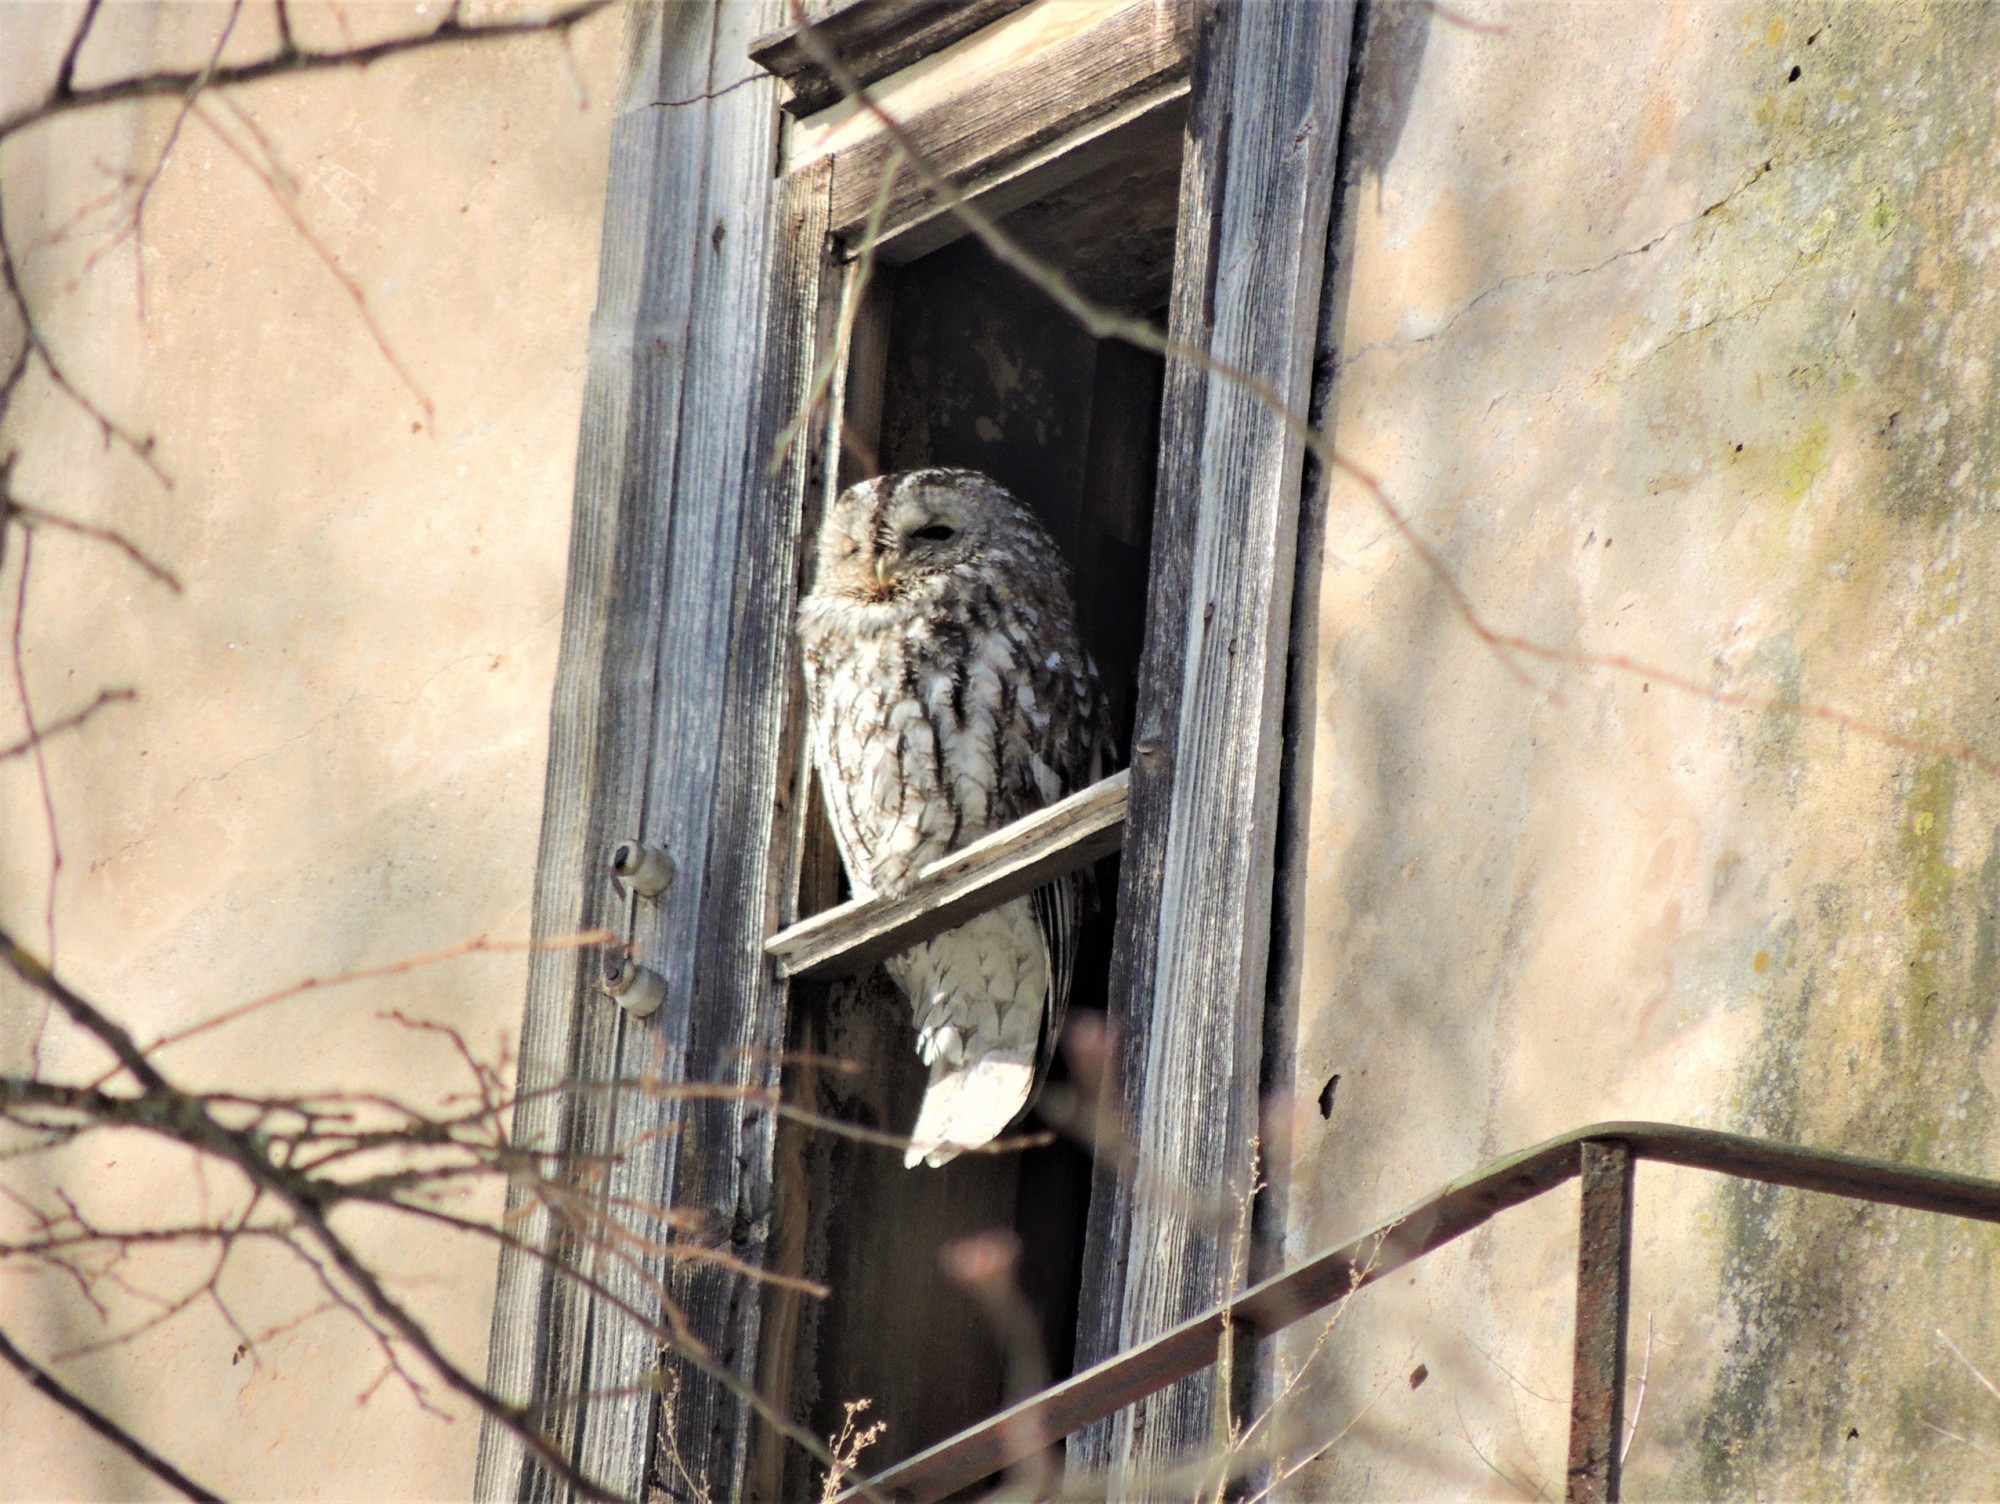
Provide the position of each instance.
(1603, 1154)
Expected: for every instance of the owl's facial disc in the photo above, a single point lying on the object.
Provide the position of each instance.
(884, 536)
(924, 530)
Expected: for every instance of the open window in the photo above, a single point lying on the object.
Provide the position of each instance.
(956, 359)
(1173, 160)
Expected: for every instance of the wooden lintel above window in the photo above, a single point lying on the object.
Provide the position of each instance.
(1065, 837)
(872, 39)
(1034, 80)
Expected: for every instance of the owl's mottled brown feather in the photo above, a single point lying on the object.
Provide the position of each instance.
(949, 696)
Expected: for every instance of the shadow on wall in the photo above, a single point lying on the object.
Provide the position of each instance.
(1392, 36)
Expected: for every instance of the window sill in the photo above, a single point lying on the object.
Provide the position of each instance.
(1068, 835)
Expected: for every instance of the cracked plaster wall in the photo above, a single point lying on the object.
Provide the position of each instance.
(1673, 327)
(336, 758)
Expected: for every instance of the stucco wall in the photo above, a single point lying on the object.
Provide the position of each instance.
(336, 756)
(1673, 328)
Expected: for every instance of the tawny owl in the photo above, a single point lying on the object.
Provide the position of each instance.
(949, 696)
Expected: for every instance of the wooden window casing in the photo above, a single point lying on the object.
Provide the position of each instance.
(721, 294)
(955, 359)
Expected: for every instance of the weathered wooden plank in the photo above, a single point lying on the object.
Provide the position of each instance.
(659, 632)
(602, 698)
(737, 1025)
(872, 39)
(1194, 912)
(691, 768)
(1137, 125)
(807, 870)
(1176, 514)
(1046, 73)
(1066, 837)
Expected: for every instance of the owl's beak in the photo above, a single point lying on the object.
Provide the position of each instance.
(881, 569)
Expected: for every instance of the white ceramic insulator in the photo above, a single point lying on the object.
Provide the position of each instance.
(648, 869)
(636, 989)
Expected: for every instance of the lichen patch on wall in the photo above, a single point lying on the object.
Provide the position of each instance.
(1673, 330)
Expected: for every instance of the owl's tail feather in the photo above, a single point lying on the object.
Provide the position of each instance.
(968, 1105)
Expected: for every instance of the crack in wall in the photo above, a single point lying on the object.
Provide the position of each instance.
(1770, 165)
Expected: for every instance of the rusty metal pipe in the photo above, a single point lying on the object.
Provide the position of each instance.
(1438, 1219)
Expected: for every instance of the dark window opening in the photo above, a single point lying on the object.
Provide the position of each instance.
(959, 361)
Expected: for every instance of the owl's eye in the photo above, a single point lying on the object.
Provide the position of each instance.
(937, 532)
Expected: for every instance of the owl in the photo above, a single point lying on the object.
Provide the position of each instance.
(948, 696)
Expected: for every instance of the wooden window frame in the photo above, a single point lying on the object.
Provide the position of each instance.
(676, 713)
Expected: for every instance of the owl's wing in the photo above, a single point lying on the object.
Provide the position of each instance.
(1059, 913)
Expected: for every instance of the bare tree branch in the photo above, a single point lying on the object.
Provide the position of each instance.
(283, 189)
(66, 71)
(66, 99)
(101, 1423)
(118, 695)
(47, 792)
(35, 346)
(1103, 323)
(287, 46)
(189, 1118)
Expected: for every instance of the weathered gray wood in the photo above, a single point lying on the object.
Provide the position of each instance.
(665, 619)
(872, 38)
(813, 866)
(737, 1028)
(894, 1328)
(1149, 125)
(1194, 905)
(602, 695)
(998, 115)
(689, 770)
(1066, 837)
(710, 796)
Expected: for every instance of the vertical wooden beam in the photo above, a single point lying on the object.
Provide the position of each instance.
(1603, 1301)
(807, 878)
(673, 669)
(1195, 895)
(603, 689)
(737, 1033)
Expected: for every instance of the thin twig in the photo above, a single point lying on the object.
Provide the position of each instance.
(35, 747)
(136, 218)
(35, 346)
(66, 70)
(190, 1119)
(279, 182)
(1639, 1404)
(1971, 1367)
(35, 516)
(1104, 323)
(1521, 1484)
(118, 695)
(482, 945)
